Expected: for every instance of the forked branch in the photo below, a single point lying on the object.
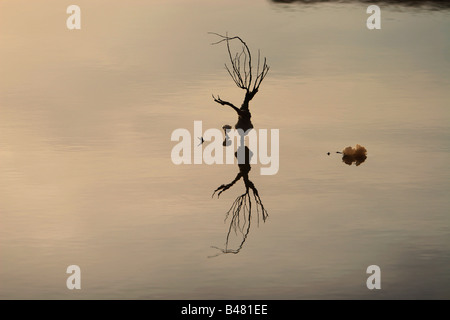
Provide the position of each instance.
(241, 69)
(241, 211)
(226, 103)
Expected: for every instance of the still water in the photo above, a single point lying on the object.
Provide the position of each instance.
(87, 178)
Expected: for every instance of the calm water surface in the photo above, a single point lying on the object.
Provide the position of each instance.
(87, 179)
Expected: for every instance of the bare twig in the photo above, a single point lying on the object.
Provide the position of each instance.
(243, 77)
(240, 212)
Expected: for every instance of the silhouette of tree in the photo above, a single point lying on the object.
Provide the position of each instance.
(241, 71)
(241, 209)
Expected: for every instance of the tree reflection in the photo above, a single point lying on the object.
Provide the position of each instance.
(241, 69)
(240, 212)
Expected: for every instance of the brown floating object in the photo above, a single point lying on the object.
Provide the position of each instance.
(358, 154)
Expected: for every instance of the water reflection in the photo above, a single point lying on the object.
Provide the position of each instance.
(241, 71)
(424, 4)
(241, 209)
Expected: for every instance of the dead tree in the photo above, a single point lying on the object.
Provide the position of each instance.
(241, 209)
(241, 71)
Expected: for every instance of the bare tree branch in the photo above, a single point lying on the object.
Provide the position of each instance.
(241, 70)
(243, 77)
(240, 212)
(226, 103)
(225, 187)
